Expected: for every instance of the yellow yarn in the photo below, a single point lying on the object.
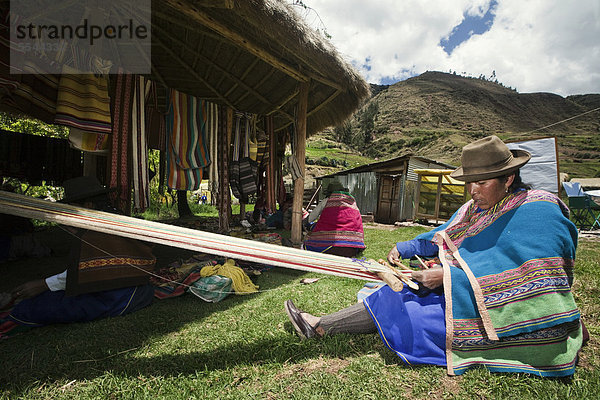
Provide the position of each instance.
(241, 283)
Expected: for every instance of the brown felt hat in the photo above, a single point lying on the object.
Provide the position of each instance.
(488, 158)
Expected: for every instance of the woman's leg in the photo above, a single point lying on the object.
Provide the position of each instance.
(354, 319)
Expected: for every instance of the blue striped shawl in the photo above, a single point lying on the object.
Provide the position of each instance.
(521, 253)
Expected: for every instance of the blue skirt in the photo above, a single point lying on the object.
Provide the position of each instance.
(55, 308)
(410, 325)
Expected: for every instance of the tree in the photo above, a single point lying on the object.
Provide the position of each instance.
(30, 126)
(367, 122)
(343, 132)
(183, 207)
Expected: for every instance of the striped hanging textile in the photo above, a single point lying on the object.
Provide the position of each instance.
(121, 102)
(156, 129)
(224, 194)
(187, 151)
(271, 182)
(248, 167)
(185, 238)
(83, 101)
(89, 141)
(234, 165)
(212, 132)
(139, 146)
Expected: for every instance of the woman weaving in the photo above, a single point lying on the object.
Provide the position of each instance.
(338, 228)
(105, 275)
(501, 298)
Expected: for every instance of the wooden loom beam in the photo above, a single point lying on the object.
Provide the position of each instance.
(185, 238)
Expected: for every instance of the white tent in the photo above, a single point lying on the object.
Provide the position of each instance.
(541, 172)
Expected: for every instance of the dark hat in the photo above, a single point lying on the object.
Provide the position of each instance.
(488, 158)
(335, 186)
(81, 188)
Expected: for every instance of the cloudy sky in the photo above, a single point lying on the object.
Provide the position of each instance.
(532, 45)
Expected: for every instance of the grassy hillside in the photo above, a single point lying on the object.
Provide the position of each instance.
(436, 114)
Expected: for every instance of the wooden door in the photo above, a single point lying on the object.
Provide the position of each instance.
(387, 207)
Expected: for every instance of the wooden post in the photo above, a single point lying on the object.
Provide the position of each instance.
(296, 234)
(438, 197)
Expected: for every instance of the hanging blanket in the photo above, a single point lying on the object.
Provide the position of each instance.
(139, 145)
(187, 151)
(122, 87)
(83, 101)
(234, 165)
(213, 133)
(340, 225)
(88, 141)
(515, 313)
(105, 262)
(223, 193)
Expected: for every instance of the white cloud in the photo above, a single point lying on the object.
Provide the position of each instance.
(549, 46)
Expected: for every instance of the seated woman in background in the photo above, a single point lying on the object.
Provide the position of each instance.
(502, 297)
(339, 228)
(105, 275)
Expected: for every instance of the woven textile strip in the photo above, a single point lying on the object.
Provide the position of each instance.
(187, 151)
(88, 141)
(185, 238)
(271, 178)
(248, 167)
(83, 101)
(529, 321)
(92, 269)
(234, 165)
(212, 133)
(139, 146)
(121, 117)
(223, 193)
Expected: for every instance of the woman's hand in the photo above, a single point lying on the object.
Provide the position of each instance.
(29, 289)
(430, 278)
(393, 256)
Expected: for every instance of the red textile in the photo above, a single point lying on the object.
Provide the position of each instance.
(340, 225)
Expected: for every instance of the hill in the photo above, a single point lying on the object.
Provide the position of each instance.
(436, 114)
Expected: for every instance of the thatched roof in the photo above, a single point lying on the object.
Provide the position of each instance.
(251, 55)
(248, 54)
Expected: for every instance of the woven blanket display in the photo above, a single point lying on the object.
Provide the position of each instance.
(187, 150)
(243, 170)
(139, 146)
(106, 262)
(121, 102)
(83, 101)
(89, 142)
(224, 194)
(213, 137)
(234, 165)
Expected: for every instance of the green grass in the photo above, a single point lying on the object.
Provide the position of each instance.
(245, 348)
(351, 157)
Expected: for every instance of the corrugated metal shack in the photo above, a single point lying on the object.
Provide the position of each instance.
(387, 190)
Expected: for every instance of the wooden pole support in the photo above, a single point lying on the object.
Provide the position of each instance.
(296, 235)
